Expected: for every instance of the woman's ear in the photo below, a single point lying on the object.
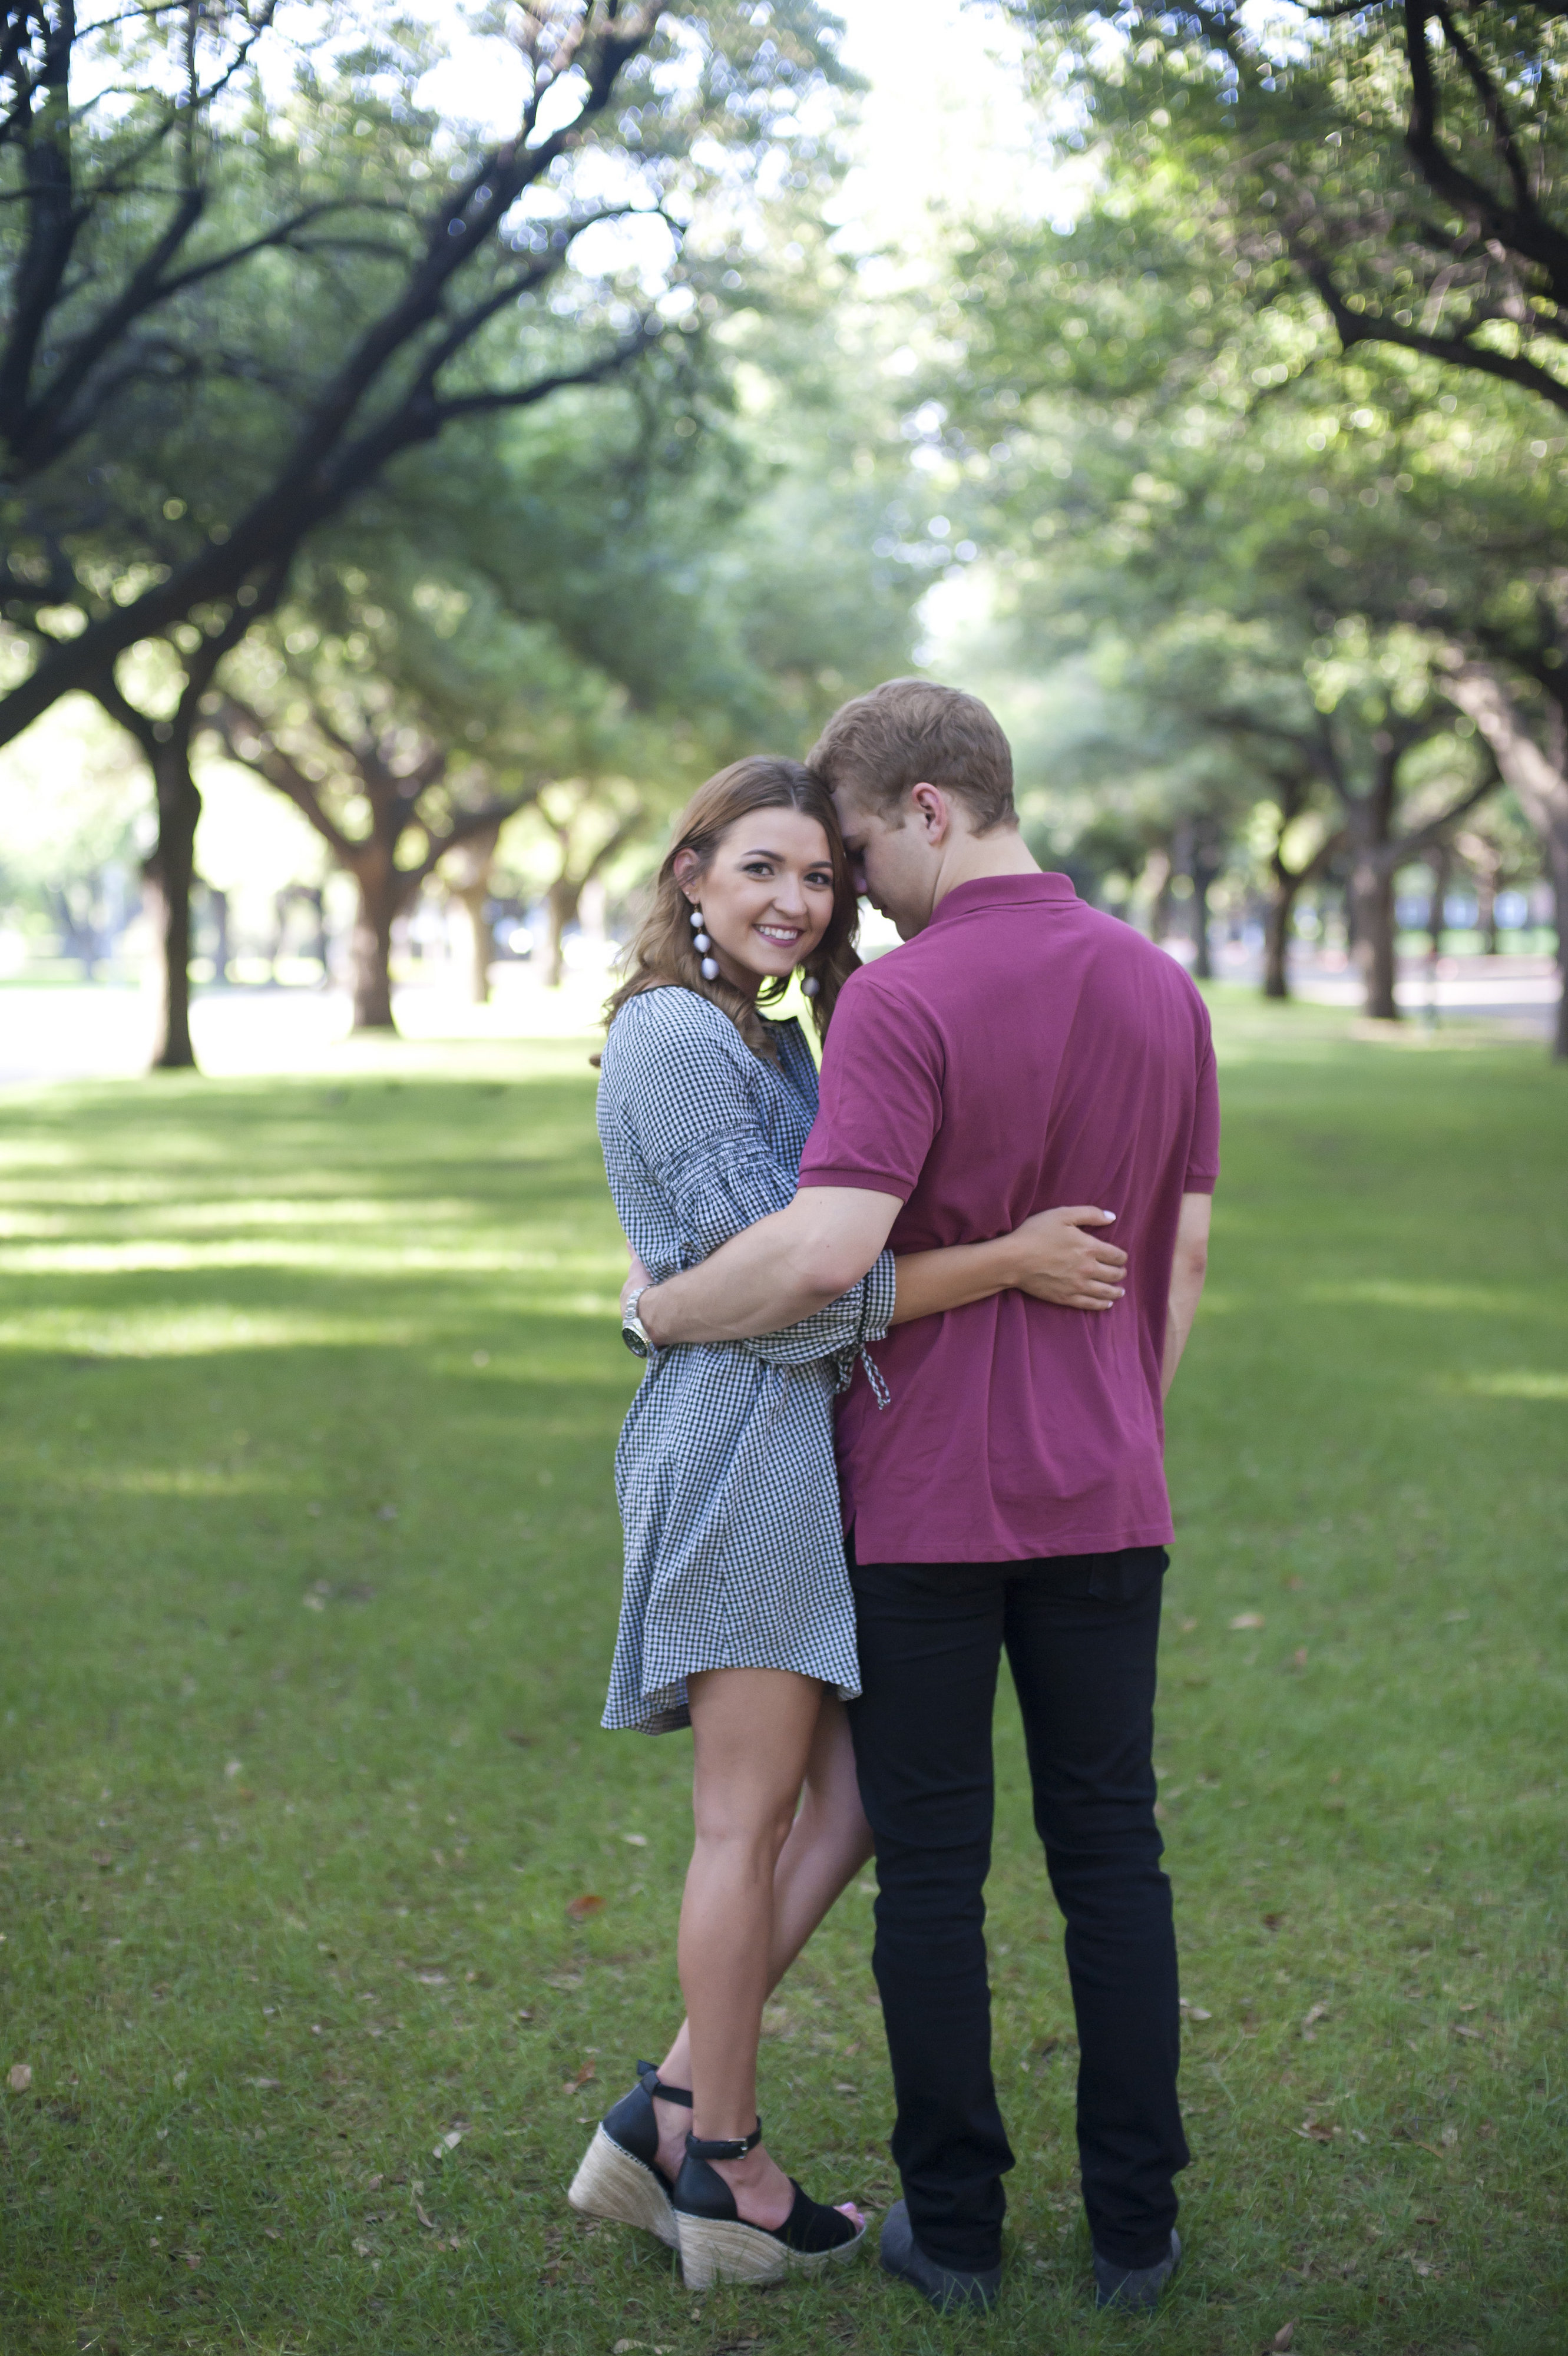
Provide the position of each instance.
(686, 870)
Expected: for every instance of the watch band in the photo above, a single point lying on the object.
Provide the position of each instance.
(633, 1333)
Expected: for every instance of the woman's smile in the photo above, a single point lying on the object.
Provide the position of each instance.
(779, 855)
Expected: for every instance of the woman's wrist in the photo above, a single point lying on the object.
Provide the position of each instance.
(997, 1264)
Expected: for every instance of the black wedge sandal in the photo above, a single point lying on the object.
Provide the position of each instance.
(620, 2177)
(718, 2246)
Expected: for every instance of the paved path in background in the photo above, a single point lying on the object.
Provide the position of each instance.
(65, 1032)
(73, 1031)
(1517, 993)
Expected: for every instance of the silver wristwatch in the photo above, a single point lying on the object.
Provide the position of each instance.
(632, 1330)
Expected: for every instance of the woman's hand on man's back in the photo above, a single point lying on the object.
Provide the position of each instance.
(1059, 1256)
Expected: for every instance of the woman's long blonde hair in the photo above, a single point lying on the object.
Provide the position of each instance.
(662, 952)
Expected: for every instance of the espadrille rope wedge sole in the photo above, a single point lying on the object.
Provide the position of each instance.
(620, 2177)
(717, 2245)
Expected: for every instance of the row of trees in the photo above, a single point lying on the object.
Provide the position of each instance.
(1269, 446)
(433, 476)
(428, 475)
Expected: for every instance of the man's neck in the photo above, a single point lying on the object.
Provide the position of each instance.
(969, 858)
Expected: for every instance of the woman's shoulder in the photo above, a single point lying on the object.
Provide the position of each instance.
(668, 1024)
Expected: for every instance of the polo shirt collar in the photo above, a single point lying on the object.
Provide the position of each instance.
(1002, 892)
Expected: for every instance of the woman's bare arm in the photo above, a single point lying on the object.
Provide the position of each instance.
(1056, 1256)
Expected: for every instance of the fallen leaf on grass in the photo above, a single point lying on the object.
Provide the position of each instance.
(1312, 2130)
(431, 1979)
(19, 2077)
(448, 2142)
(1318, 2012)
(1195, 2012)
(1460, 2030)
(635, 1841)
(428, 2223)
(1247, 1620)
(654, 2346)
(1283, 2338)
(361, 2249)
(272, 2233)
(579, 1910)
(523, 1742)
(584, 2076)
(266, 2085)
(1298, 1658)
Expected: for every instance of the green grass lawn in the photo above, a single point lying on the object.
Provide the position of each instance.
(311, 1574)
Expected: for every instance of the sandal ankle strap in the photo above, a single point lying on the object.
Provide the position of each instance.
(724, 2146)
(653, 2085)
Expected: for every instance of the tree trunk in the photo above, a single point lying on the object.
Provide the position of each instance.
(1486, 912)
(1372, 898)
(467, 873)
(1277, 931)
(473, 899)
(1442, 865)
(1204, 871)
(218, 910)
(370, 947)
(1539, 785)
(561, 910)
(167, 877)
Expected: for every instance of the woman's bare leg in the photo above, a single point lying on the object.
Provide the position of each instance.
(828, 1843)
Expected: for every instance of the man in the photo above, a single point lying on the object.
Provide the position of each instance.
(1020, 1049)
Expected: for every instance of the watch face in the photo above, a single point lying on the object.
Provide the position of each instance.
(635, 1341)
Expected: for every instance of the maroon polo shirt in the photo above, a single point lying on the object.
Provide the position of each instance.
(1023, 1051)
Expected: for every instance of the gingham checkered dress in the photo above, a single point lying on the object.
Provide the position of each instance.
(725, 1469)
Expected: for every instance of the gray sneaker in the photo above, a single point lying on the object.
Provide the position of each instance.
(949, 2291)
(1134, 2287)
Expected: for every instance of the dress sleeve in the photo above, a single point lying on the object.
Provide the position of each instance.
(841, 1330)
(687, 1106)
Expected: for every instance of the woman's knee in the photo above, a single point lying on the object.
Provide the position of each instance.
(725, 1823)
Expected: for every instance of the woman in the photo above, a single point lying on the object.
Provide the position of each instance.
(738, 1617)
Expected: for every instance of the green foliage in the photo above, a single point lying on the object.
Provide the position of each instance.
(1399, 166)
(267, 305)
(1276, 553)
(312, 1386)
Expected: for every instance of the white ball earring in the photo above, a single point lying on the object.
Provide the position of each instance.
(810, 985)
(701, 944)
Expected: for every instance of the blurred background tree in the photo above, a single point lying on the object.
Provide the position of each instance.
(227, 317)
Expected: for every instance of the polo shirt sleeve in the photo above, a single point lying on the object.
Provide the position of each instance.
(881, 1097)
(1202, 1152)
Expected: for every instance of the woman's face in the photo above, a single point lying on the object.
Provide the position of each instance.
(766, 895)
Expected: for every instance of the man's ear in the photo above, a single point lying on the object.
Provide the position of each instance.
(933, 811)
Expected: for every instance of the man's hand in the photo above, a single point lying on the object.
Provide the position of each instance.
(1056, 1256)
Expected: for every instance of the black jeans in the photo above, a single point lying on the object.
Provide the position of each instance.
(1081, 1634)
